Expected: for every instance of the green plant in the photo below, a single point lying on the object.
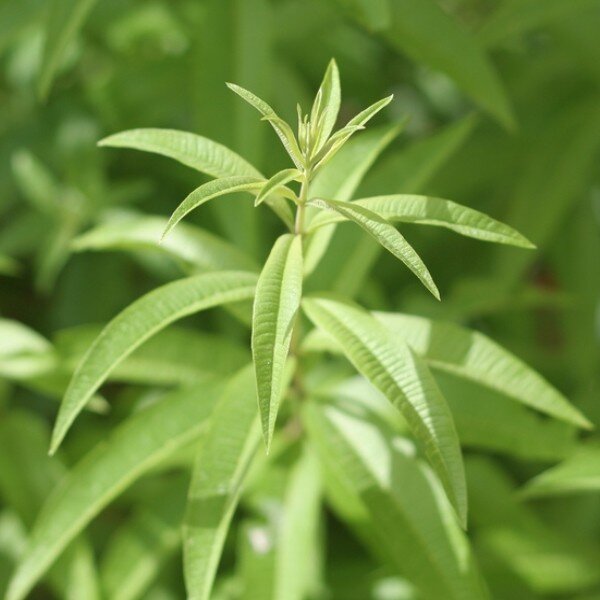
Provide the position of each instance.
(387, 454)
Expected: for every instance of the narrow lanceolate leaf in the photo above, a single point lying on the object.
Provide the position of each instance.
(275, 183)
(137, 323)
(62, 25)
(192, 150)
(425, 210)
(385, 234)
(392, 367)
(375, 481)
(197, 152)
(222, 462)
(283, 130)
(474, 356)
(209, 191)
(327, 105)
(579, 473)
(276, 303)
(132, 450)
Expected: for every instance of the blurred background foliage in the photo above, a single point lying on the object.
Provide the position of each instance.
(502, 99)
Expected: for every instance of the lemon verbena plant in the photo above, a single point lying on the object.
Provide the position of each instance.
(377, 446)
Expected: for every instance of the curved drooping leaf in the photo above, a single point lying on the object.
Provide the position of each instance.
(472, 355)
(340, 178)
(220, 467)
(209, 191)
(174, 356)
(276, 182)
(197, 152)
(276, 303)
(139, 321)
(381, 487)
(63, 22)
(326, 106)
(392, 367)
(283, 130)
(578, 473)
(133, 448)
(386, 234)
(189, 244)
(426, 210)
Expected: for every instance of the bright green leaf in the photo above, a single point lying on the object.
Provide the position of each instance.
(209, 191)
(283, 130)
(386, 234)
(276, 182)
(276, 303)
(474, 356)
(425, 210)
(197, 152)
(139, 321)
(392, 367)
(326, 105)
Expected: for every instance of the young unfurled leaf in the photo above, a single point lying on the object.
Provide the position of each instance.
(197, 152)
(137, 323)
(579, 473)
(276, 303)
(275, 183)
(209, 191)
(392, 367)
(221, 464)
(426, 210)
(355, 124)
(133, 449)
(376, 482)
(474, 356)
(386, 234)
(283, 130)
(326, 106)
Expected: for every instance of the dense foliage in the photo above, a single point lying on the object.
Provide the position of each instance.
(317, 423)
